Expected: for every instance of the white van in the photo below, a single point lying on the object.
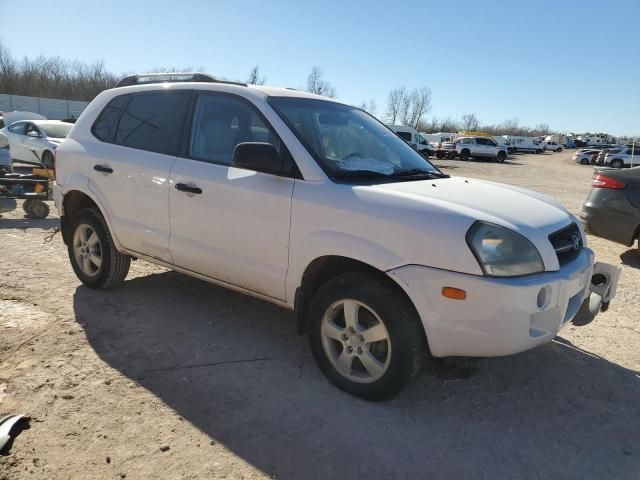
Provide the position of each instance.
(414, 138)
(526, 144)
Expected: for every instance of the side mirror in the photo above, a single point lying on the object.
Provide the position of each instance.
(259, 156)
(33, 134)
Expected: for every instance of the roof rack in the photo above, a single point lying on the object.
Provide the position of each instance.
(170, 77)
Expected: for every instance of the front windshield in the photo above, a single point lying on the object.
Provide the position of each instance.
(347, 141)
(55, 130)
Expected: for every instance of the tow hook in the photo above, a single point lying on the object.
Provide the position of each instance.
(602, 288)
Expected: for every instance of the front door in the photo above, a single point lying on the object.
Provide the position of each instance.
(228, 223)
(16, 132)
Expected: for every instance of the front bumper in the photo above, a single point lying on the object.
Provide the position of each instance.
(500, 316)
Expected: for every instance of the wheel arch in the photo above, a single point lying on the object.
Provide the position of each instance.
(72, 202)
(326, 267)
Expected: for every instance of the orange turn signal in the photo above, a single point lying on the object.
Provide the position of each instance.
(454, 293)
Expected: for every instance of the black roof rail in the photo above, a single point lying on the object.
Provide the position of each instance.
(170, 77)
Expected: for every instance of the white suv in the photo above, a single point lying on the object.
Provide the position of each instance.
(316, 206)
(480, 147)
(622, 157)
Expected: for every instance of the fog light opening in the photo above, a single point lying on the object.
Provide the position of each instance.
(544, 297)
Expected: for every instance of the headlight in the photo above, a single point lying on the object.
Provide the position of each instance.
(502, 252)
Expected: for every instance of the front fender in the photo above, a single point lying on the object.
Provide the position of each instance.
(328, 243)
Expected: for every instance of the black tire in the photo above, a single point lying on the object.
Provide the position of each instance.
(538, 151)
(115, 265)
(559, 149)
(465, 154)
(36, 209)
(617, 163)
(451, 156)
(584, 161)
(26, 205)
(408, 349)
(440, 154)
(47, 159)
(501, 156)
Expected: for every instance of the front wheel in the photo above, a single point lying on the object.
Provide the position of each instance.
(559, 149)
(538, 151)
(502, 157)
(365, 336)
(617, 163)
(440, 154)
(465, 154)
(92, 253)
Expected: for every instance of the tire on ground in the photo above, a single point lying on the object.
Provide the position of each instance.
(114, 266)
(406, 338)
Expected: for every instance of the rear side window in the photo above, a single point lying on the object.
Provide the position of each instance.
(153, 122)
(103, 127)
(405, 136)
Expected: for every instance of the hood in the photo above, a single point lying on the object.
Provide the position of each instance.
(462, 201)
(513, 207)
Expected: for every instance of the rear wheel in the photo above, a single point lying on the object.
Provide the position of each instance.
(365, 336)
(584, 161)
(92, 253)
(440, 154)
(538, 151)
(617, 163)
(465, 154)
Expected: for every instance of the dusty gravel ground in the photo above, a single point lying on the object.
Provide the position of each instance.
(171, 377)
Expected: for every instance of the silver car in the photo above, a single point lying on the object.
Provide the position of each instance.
(41, 136)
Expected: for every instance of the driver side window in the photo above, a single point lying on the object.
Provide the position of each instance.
(221, 122)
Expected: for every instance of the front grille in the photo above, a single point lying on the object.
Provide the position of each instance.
(567, 243)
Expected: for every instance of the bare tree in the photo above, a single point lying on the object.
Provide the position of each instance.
(395, 104)
(370, 107)
(316, 84)
(419, 105)
(408, 107)
(470, 122)
(255, 78)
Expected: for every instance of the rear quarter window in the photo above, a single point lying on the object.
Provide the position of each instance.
(104, 126)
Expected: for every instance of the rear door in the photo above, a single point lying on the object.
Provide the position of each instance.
(235, 227)
(139, 137)
(481, 147)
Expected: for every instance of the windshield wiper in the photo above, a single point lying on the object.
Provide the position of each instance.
(419, 172)
(361, 174)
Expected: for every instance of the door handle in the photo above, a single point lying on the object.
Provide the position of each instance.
(183, 187)
(103, 169)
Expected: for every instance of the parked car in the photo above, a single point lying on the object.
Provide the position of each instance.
(437, 140)
(43, 136)
(7, 118)
(612, 209)
(526, 144)
(316, 206)
(621, 157)
(413, 138)
(6, 165)
(586, 157)
(480, 147)
(553, 146)
(448, 150)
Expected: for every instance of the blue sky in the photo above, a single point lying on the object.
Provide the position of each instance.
(572, 64)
